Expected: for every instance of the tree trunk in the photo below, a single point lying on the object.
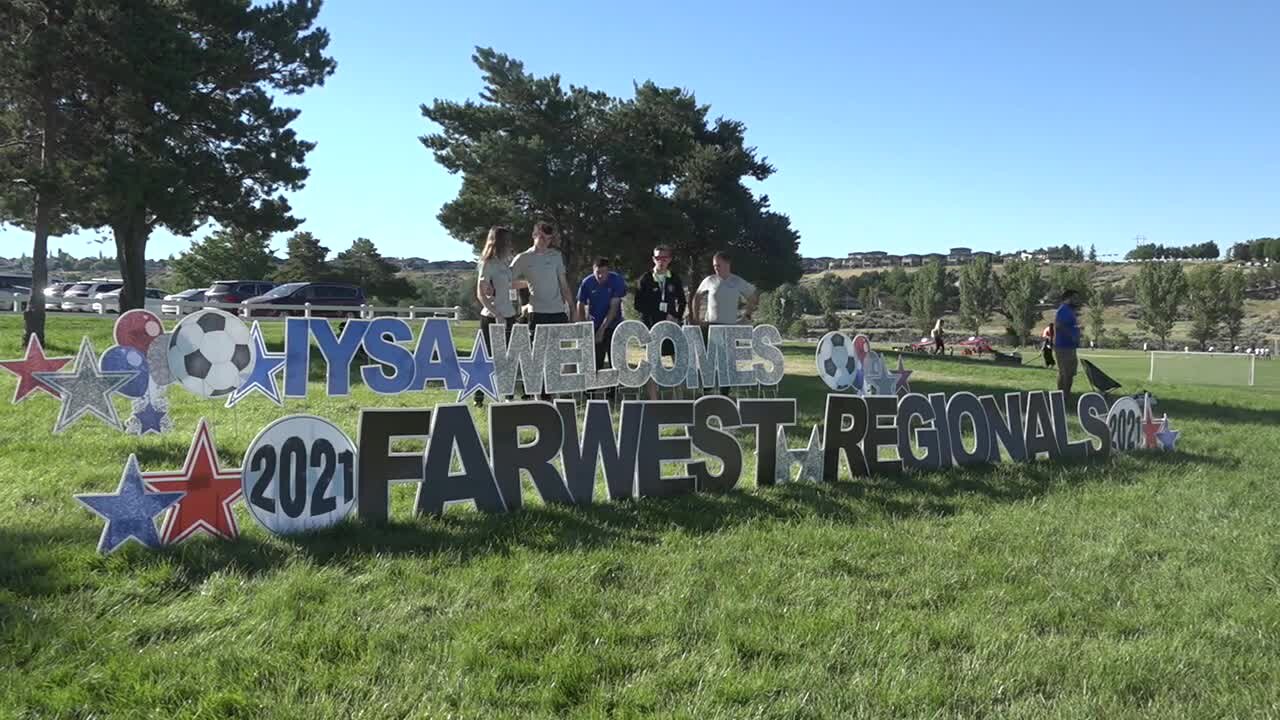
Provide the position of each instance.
(33, 317)
(131, 232)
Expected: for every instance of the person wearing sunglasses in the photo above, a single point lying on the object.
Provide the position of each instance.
(660, 296)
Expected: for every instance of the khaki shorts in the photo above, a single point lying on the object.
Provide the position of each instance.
(1066, 358)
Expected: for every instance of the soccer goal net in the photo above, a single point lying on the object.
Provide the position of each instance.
(1198, 368)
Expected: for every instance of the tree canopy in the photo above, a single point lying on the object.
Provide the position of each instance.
(1159, 290)
(178, 122)
(617, 176)
(228, 253)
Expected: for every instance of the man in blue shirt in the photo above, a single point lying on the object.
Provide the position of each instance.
(1066, 339)
(600, 298)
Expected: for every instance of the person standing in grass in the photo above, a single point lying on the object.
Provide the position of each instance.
(541, 270)
(1066, 340)
(939, 344)
(721, 294)
(600, 301)
(1047, 348)
(660, 296)
(493, 287)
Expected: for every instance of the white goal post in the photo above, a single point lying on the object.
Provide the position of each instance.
(1202, 368)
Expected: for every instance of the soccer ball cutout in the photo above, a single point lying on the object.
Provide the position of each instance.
(836, 362)
(210, 354)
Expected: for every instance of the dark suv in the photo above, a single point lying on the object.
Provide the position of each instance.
(322, 295)
(235, 291)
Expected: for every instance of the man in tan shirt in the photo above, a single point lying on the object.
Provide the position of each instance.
(541, 270)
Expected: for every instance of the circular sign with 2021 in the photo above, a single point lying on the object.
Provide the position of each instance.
(300, 475)
(1125, 421)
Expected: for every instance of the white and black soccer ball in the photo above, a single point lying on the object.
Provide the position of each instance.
(837, 364)
(210, 353)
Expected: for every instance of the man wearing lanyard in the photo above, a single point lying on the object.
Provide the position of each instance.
(660, 296)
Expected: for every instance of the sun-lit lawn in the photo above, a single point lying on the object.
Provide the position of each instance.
(1145, 586)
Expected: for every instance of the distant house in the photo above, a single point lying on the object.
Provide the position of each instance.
(893, 260)
(959, 255)
(876, 258)
(913, 260)
(935, 257)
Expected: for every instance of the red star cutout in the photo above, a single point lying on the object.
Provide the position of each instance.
(34, 362)
(210, 493)
(1149, 427)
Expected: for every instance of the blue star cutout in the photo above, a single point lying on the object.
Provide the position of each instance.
(264, 376)
(1167, 436)
(478, 371)
(129, 511)
(150, 418)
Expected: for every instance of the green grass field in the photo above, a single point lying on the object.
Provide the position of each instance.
(1145, 586)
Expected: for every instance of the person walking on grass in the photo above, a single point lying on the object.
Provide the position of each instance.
(1066, 340)
(938, 335)
(493, 288)
(1047, 348)
(660, 296)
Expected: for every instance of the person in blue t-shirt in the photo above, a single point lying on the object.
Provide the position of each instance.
(1066, 339)
(600, 298)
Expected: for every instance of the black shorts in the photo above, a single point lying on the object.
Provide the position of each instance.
(486, 321)
(536, 319)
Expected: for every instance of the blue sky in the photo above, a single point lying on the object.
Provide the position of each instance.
(915, 127)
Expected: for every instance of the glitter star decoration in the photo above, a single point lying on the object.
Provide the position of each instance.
(86, 390)
(150, 414)
(1167, 436)
(809, 459)
(902, 386)
(1149, 427)
(878, 379)
(265, 376)
(477, 372)
(209, 491)
(27, 367)
(129, 511)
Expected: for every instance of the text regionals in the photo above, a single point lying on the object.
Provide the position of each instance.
(869, 435)
(559, 358)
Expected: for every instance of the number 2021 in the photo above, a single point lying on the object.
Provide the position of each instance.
(289, 469)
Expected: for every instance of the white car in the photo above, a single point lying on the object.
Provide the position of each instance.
(109, 302)
(171, 302)
(80, 297)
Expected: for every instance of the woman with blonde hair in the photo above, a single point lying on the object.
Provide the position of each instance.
(494, 287)
(937, 337)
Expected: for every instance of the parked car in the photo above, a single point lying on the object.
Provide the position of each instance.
(79, 297)
(321, 295)
(53, 295)
(11, 291)
(171, 306)
(109, 302)
(234, 291)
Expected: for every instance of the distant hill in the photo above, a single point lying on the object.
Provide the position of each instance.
(417, 264)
